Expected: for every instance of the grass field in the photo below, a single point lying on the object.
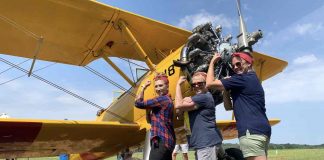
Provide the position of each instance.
(297, 154)
(286, 154)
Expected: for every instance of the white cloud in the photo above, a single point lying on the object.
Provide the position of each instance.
(305, 59)
(191, 21)
(299, 83)
(307, 28)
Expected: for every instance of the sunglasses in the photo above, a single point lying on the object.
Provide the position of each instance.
(199, 84)
(237, 64)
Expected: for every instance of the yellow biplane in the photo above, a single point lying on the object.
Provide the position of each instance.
(81, 31)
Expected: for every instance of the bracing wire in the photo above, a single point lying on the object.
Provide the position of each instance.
(13, 67)
(134, 63)
(130, 68)
(25, 74)
(109, 80)
(63, 89)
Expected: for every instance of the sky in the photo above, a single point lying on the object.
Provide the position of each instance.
(293, 31)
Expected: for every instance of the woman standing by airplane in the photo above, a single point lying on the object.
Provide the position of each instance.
(253, 127)
(162, 132)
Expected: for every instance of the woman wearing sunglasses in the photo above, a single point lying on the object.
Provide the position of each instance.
(205, 136)
(253, 127)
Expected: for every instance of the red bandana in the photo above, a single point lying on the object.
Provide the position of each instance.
(244, 56)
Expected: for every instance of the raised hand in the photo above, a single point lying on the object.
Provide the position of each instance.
(216, 58)
(182, 79)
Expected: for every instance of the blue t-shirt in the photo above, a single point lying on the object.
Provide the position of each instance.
(204, 132)
(249, 104)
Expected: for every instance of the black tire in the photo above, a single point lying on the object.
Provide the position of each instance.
(234, 153)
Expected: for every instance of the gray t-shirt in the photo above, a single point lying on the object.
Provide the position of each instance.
(204, 132)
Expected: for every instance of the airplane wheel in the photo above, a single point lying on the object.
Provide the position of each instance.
(234, 154)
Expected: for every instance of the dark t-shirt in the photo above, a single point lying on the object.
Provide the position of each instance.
(249, 103)
(204, 132)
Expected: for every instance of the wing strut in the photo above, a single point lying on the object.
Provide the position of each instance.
(132, 40)
(112, 64)
(29, 33)
(39, 43)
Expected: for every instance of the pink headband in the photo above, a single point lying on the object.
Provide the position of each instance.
(161, 76)
(245, 56)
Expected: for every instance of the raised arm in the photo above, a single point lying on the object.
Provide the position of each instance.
(211, 82)
(140, 96)
(139, 101)
(183, 104)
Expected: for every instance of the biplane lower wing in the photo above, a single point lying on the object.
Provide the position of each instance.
(39, 138)
(228, 127)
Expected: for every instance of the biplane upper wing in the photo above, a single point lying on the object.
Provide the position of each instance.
(37, 138)
(228, 127)
(77, 32)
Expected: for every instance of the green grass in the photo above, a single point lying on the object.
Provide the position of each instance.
(286, 154)
(297, 154)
